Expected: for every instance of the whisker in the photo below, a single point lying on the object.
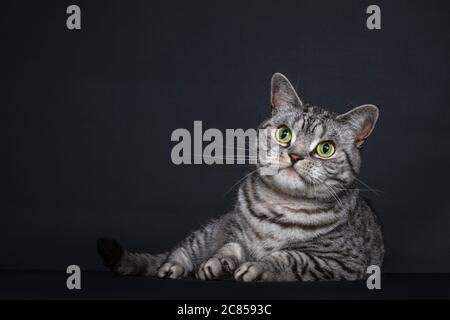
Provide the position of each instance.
(334, 194)
(361, 189)
(240, 180)
(239, 148)
(225, 157)
(369, 187)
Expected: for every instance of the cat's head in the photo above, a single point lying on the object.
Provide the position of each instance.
(317, 152)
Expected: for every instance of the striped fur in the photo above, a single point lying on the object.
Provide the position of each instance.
(307, 222)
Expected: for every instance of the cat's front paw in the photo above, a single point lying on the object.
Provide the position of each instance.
(171, 270)
(216, 268)
(253, 271)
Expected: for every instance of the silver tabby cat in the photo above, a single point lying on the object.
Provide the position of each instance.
(306, 222)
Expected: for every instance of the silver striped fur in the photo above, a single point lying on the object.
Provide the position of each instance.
(308, 222)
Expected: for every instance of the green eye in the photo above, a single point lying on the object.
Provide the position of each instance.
(325, 149)
(283, 135)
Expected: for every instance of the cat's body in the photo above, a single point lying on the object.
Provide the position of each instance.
(306, 222)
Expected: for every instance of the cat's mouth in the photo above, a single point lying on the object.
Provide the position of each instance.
(292, 172)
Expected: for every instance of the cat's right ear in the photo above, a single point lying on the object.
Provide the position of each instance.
(361, 121)
(283, 95)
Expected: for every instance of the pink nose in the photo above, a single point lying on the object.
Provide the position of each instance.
(295, 157)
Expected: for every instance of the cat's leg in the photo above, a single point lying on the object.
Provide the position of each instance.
(178, 265)
(222, 263)
(290, 265)
(191, 252)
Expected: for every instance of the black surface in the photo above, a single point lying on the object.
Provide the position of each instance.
(103, 285)
(86, 116)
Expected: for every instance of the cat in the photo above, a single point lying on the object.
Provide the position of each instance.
(306, 222)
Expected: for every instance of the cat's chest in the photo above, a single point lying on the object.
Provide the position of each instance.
(266, 234)
(272, 238)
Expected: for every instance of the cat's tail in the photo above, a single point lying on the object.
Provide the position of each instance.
(128, 263)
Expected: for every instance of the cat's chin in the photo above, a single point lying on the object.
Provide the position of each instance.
(289, 181)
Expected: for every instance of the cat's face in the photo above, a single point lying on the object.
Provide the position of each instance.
(316, 151)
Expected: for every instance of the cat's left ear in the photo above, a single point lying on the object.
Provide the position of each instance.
(361, 121)
(283, 95)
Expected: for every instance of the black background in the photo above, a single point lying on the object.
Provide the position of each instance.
(86, 116)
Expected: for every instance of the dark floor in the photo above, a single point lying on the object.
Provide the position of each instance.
(103, 285)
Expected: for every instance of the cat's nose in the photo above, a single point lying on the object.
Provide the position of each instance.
(295, 157)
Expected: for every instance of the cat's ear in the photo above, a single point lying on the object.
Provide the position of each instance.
(361, 121)
(283, 96)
